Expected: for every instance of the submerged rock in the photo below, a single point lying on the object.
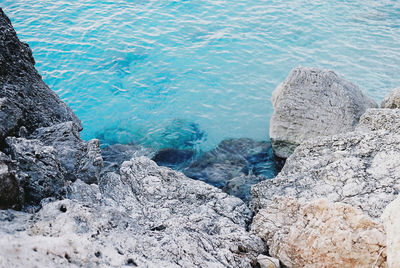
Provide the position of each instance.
(392, 100)
(173, 158)
(358, 168)
(25, 100)
(320, 234)
(148, 216)
(312, 103)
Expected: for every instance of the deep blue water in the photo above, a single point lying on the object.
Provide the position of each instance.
(159, 72)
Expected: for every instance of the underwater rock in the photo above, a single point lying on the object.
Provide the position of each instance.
(312, 103)
(25, 100)
(358, 168)
(240, 186)
(80, 159)
(173, 158)
(320, 234)
(392, 100)
(148, 216)
(380, 119)
(232, 158)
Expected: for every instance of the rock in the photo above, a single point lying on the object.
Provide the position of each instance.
(358, 168)
(173, 158)
(268, 262)
(380, 119)
(233, 158)
(38, 169)
(392, 100)
(80, 159)
(241, 186)
(114, 155)
(312, 103)
(25, 100)
(11, 193)
(147, 216)
(391, 222)
(320, 234)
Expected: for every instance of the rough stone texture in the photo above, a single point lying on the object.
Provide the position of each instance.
(268, 262)
(392, 100)
(391, 222)
(147, 215)
(38, 169)
(232, 158)
(25, 100)
(80, 159)
(11, 193)
(380, 119)
(320, 234)
(241, 186)
(361, 169)
(312, 103)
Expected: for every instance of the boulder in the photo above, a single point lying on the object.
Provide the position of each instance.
(80, 159)
(380, 119)
(320, 234)
(312, 103)
(25, 100)
(392, 100)
(391, 222)
(145, 216)
(358, 168)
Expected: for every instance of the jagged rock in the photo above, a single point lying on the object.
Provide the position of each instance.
(358, 168)
(312, 103)
(320, 234)
(25, 100)
(391, 222)
(241, 186)
(38, 168)
(11, 193)
(147, 216)
(114, 155)
(80, 159)
(392, 100)
(232, 158)
(380, 119)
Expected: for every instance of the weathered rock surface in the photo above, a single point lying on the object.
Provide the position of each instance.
(25, 100)
(391, 222)
(312, 103)
(11, 193)
(146, 216)
(80, 159)
(392, 100)
(358, 168)
(380, 119)
(320, 234)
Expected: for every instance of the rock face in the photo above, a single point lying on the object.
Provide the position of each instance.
(320, 234)
(358, 168)
(312, 103)
(392, 100)
(146, 216)
(25, 100)
(11, 193)
(380, 119)
(391, 222)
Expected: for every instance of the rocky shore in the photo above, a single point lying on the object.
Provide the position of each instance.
(64, 202)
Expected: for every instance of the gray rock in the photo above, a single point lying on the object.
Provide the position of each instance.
(25, 100)
(380, 119)
(148, 216)
(312, 103)
(11, 193)
(240, 186)
(392, 100)
(358, 168)
(80, 159)
(38, 169)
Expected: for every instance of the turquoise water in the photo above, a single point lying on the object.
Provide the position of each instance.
(148, 70)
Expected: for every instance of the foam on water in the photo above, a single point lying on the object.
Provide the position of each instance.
(130, 69)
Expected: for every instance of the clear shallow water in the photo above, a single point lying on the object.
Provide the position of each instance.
(145, 70)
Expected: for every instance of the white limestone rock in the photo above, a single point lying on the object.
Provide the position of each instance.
(380, 119)
(392, 100)
(312, 103)
(320, 234)
(391, 222)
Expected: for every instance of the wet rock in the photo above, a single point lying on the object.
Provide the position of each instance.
(80, 159)
(11, 193)
(312, 103)
(114, 155)
(320, 234)
(148, 216)
(392, 100)
(233, 158)
(25, 100)
(391, 222)
(358, 168)
(37, 168)
(241, 186)
(173, 158)
(380, 119)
